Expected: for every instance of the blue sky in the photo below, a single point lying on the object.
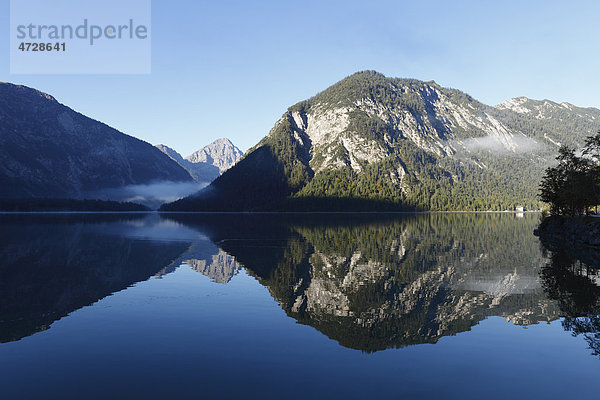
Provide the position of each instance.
(231, 68)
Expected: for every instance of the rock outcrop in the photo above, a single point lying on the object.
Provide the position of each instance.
(221, 153)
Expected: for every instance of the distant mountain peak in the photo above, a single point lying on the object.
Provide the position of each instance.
(221, 153)
(223, 141)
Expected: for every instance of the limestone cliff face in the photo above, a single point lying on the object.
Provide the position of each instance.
(333, 142)
(221, 153)
(441, 121)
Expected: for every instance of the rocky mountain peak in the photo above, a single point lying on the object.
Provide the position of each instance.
(220, 153)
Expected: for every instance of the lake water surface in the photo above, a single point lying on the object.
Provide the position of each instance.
(439, 306)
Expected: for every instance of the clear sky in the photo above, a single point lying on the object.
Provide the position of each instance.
(231, 68)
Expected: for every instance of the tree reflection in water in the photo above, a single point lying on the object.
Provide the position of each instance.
(572, 278)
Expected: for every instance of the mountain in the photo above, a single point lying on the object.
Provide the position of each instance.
(371, 142)
(221, 153)
(49, 150)
(209, 162)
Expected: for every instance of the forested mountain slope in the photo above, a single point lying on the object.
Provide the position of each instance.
(371, 142)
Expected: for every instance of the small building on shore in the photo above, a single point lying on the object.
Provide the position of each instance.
(519, 209)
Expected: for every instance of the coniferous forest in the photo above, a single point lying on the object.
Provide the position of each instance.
(573, 186)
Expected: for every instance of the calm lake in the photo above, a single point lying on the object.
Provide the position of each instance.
(425, 306)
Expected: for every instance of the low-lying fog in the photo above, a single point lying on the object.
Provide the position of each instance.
(151, 195)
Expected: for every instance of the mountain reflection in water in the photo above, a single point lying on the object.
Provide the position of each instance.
(370, 282)
(380, 281)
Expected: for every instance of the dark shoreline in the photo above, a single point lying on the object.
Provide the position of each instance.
(561, 230)
(43, 205)
(150, 211)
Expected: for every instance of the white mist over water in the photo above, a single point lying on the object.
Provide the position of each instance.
(151, 195)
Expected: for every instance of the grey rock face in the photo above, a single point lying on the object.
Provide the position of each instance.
(221, 153)
(209, 162)
(49, 150)
(446, 124)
